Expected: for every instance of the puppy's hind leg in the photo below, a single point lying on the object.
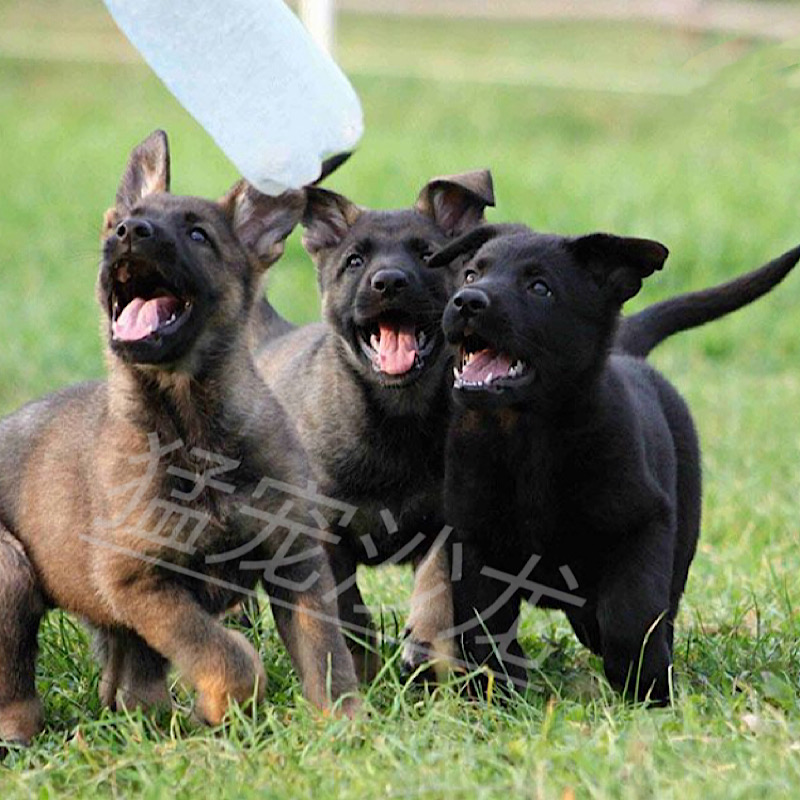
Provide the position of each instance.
(133, 673)
(633, 613)
(587, 629)
(21, 609)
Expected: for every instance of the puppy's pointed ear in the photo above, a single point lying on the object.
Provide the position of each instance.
(456, 202)
(147, 172)
(328, 217)
(619, 263)
(261, 222)
(472, 241)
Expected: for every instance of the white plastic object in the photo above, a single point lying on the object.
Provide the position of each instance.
(252, 76)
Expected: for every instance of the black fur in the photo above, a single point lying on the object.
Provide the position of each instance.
(586, 459)
(640, 333)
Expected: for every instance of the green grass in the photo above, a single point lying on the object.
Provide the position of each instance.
(689, 139)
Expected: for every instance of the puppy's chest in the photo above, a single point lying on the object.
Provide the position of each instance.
(382, 461)
(393, 484)
(198, 511)
(394, 531)
(507, 492)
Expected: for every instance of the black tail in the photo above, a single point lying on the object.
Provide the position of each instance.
(639, 334)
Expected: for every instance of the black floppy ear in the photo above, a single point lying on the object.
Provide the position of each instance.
(619, 263)
(456, 202)
(327, 218)
(472, 241)
(147, 172)
(261, 222)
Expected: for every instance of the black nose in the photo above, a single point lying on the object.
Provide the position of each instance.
(133, 228)
(471, 302)
(389, 281)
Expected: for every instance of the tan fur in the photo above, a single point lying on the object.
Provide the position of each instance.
(431, 614)
(65, 463)
(21, 720)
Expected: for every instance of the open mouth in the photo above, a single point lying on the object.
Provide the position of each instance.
(481, 367)
(394, 345)
(143, 304)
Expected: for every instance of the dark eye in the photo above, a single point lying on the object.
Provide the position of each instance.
(354, 261)
(197, 234)
(470, 276)
(541, 289)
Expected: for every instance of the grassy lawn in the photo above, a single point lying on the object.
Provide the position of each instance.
(692, 140)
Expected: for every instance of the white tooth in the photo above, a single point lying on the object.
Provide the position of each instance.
(489, 377)
(374, 342)
(456, 373)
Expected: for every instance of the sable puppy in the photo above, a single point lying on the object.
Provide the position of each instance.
(565, 463)
(183, 419)
(367, 389)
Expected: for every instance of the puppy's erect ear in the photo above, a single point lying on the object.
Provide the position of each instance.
(261, 222)
(456, 202)
(147, 172)
(469, 244)
(619, 263)
(327, 218)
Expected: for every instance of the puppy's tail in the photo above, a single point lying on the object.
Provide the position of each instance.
(640, 333)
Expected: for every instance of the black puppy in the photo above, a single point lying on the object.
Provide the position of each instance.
(572, 473)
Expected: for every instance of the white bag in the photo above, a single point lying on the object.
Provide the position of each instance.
(252, 76)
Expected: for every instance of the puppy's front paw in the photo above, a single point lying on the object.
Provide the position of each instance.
(20, 721)
(429, 662)
(237, 676)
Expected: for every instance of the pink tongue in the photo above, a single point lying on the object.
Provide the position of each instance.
(483, 363)
(141, 317)
(398, 348)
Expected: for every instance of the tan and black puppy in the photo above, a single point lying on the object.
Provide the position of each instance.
(368, 388)
(149, 503)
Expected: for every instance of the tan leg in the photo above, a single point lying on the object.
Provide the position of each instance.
(221, 664)
(308, 623)
(21, 609)
(431, 615)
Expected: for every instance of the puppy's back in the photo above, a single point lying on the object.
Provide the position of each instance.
(21, 433)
